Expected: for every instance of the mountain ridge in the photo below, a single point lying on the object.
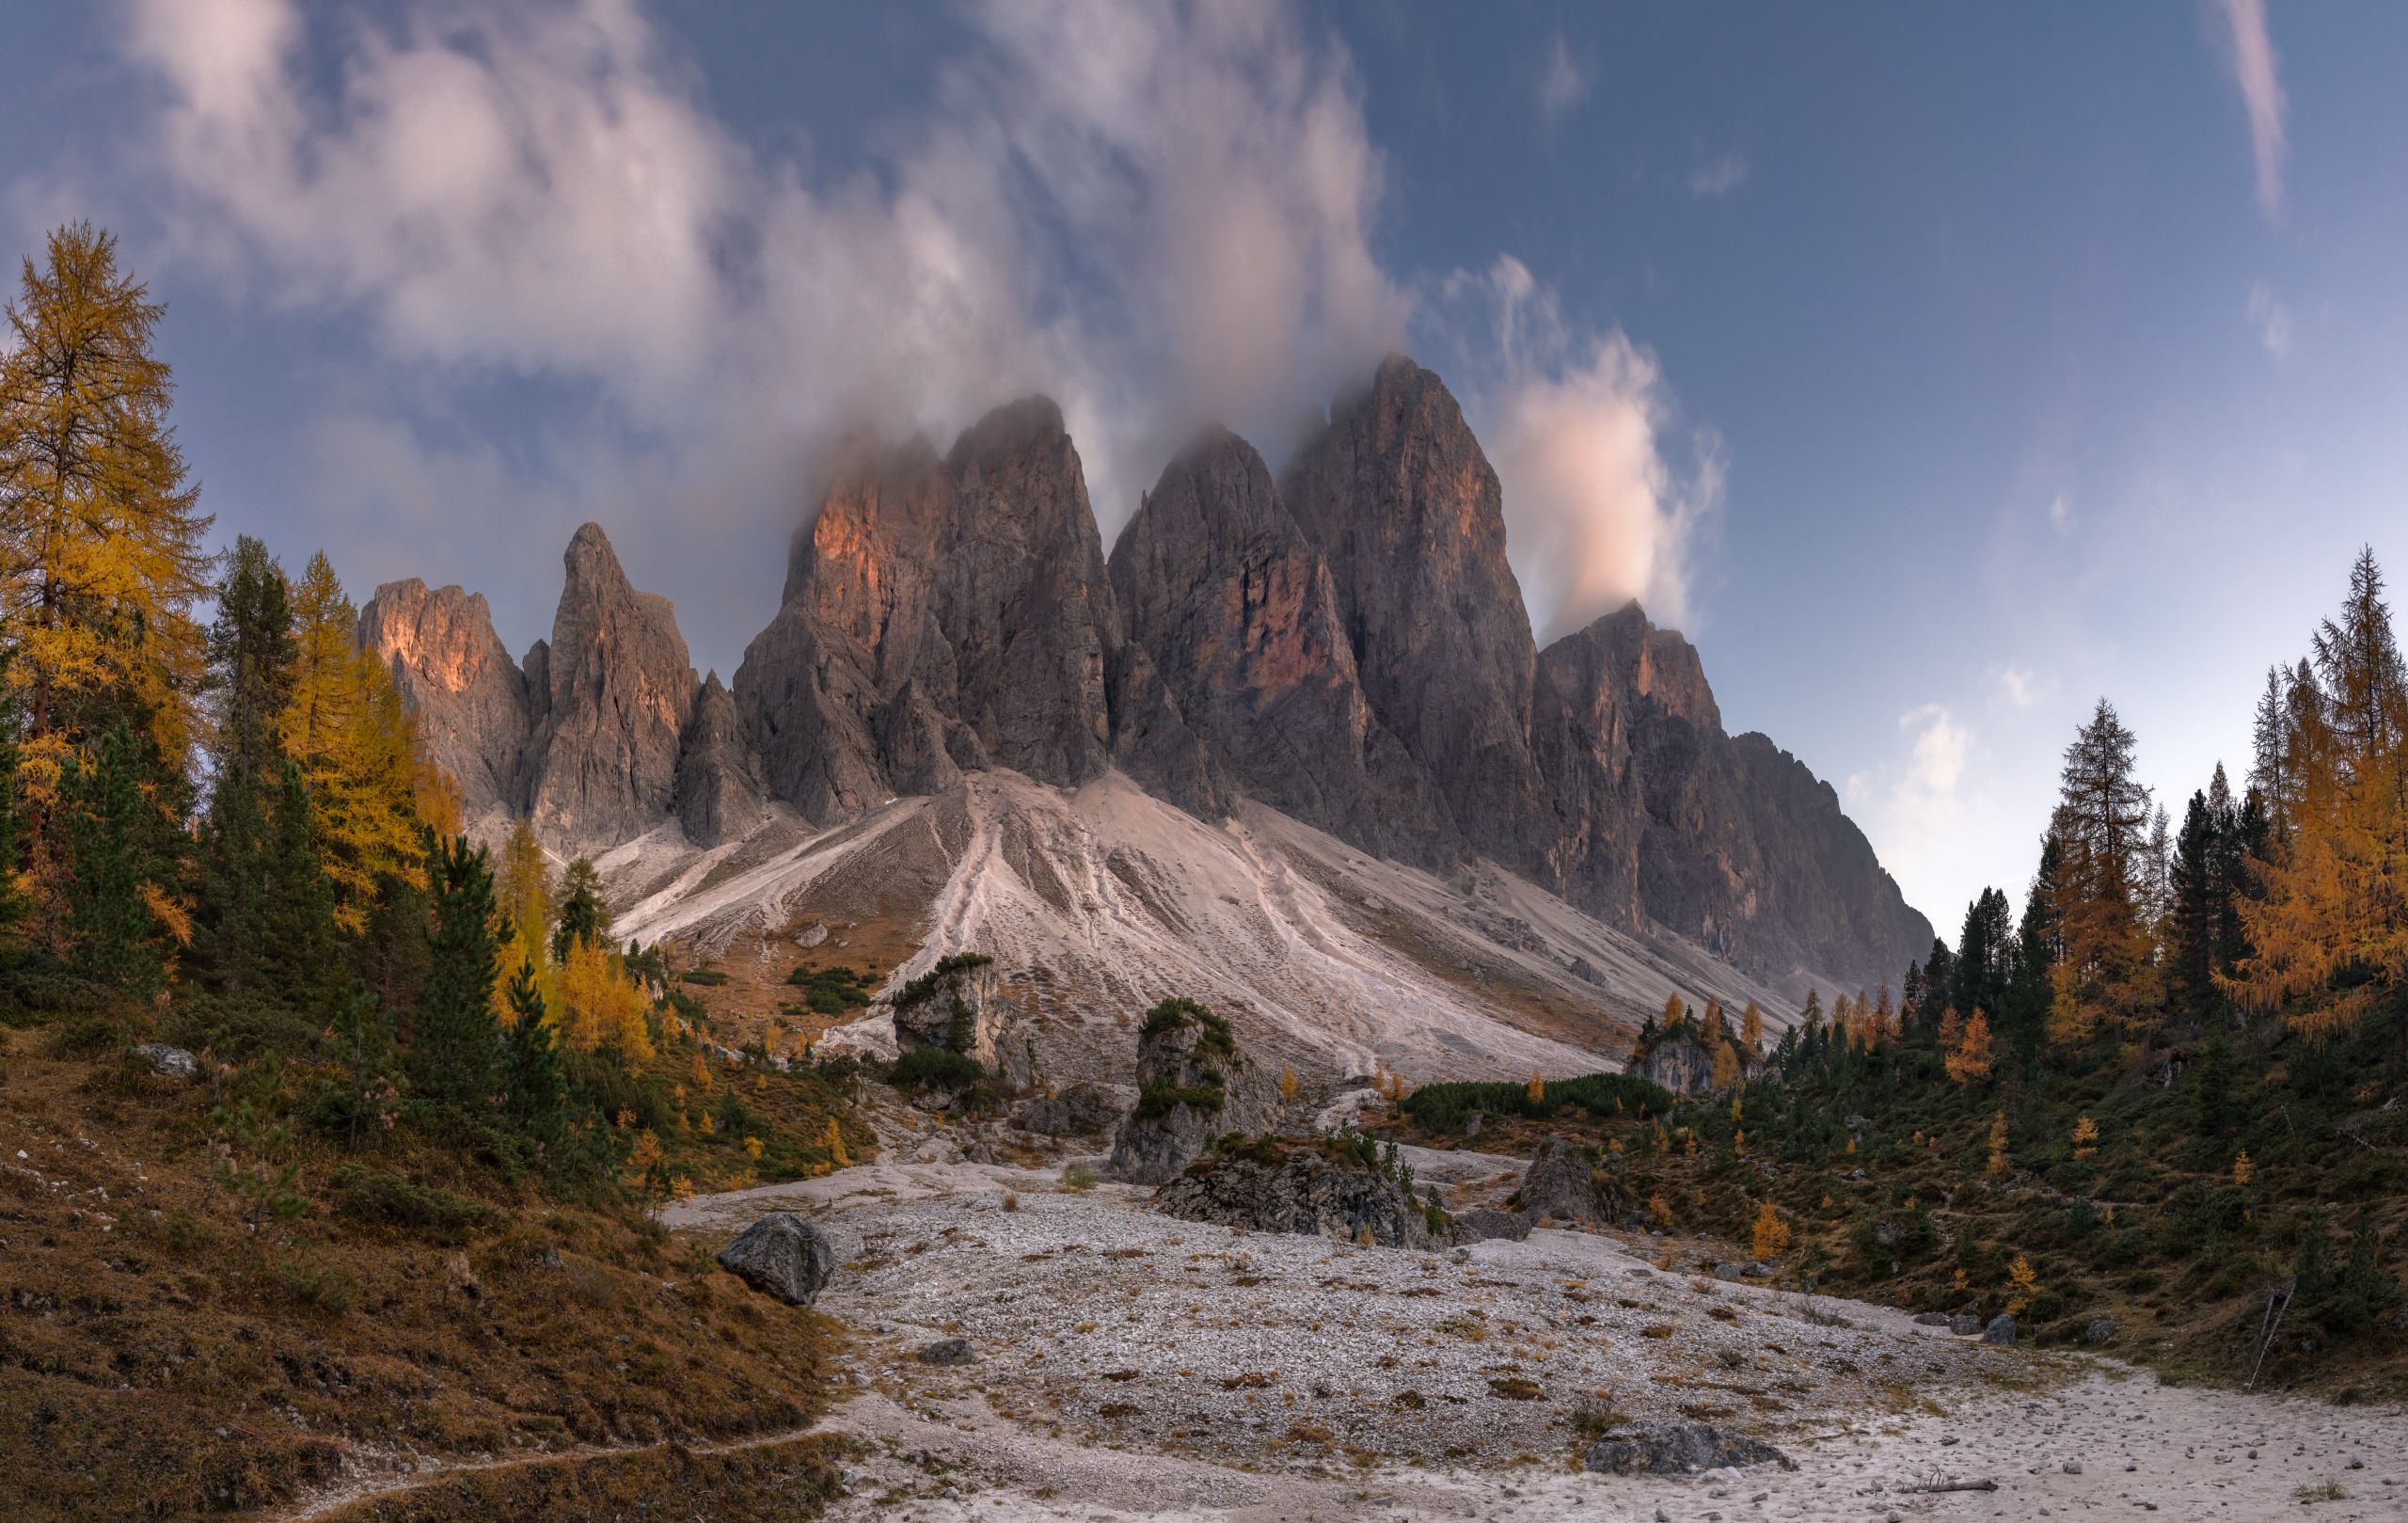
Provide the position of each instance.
(1344, 644)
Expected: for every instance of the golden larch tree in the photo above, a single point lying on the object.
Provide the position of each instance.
(1752, 1027)
(1970, 1059)
(1769, 1236)
(346, 727)
(101, 555)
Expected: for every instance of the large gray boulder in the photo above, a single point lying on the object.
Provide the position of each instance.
(782, 1255)
(1555, 1185)
(1270, 1186)
(1480, 1224)
(1677, 1449)
(2001, 1329)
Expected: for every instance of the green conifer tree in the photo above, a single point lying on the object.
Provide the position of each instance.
(455, 1046)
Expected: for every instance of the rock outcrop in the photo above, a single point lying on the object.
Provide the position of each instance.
(1667, 819)
(1556, 1186)
(958, 1006)
(1266, 1187)
(1191, 1087)
(718, 793)
(1677, 1449)
(1236, 609)
(590, 737)
(617, 692)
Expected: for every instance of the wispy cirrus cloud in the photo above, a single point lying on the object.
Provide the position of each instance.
(2271, 319)
(1719, 175)
(1563, 82)
(2250, 53)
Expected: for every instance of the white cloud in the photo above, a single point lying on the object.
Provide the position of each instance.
(1924, 814)
(1562, 83)
(2019, 686)
(1928, 802)
(2251, 56)
(1716, 177)
(2061, 514)
(2272, 321)
(1155, 216)
(1595, 514)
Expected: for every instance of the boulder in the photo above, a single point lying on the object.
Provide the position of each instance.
(1082, 1110)
(1964, 1324)
(1480, 1224)
(948, 1351)
(1304, 1187)
(2101, 1330)
(168, 1062)
(1555, 1185)
(782, 1255)
(1932, 1319)
(1192, 1086)
(1677, 1449)
(2001, 1329)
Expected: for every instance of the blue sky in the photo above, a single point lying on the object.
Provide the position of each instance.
(1938, 369)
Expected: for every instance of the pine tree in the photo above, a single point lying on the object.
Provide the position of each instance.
(299, 902)
(101, 555)
(1985, 954)
(532, 1085)
(2192, 923)
(251, 654)
(119, 921)
(584, 914)
(455, 1045)
(2328, 931)
(2102, 829)
(2270, 735)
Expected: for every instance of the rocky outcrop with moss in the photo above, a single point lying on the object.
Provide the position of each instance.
(958, 1007)
(1191, 1087)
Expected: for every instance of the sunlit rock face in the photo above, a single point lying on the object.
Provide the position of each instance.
(584, 739)
(949, 615)
(618, 691)
(1237, 610)
(468, 696)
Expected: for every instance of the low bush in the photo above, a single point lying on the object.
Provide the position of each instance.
(935, 1067)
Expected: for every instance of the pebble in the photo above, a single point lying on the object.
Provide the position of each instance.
(2073, 1466)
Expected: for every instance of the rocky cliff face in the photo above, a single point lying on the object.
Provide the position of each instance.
(1237, 610)
(469, 697)
(943, 616)
(1407, 512)
(618, 689)
(601, 736)
(1666, 818)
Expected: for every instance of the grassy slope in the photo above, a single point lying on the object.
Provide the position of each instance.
(2150, 1230)
(167, 1349)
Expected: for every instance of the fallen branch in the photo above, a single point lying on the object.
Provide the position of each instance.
(1954, 1485)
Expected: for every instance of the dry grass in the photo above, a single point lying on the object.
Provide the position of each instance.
(167, 1352)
